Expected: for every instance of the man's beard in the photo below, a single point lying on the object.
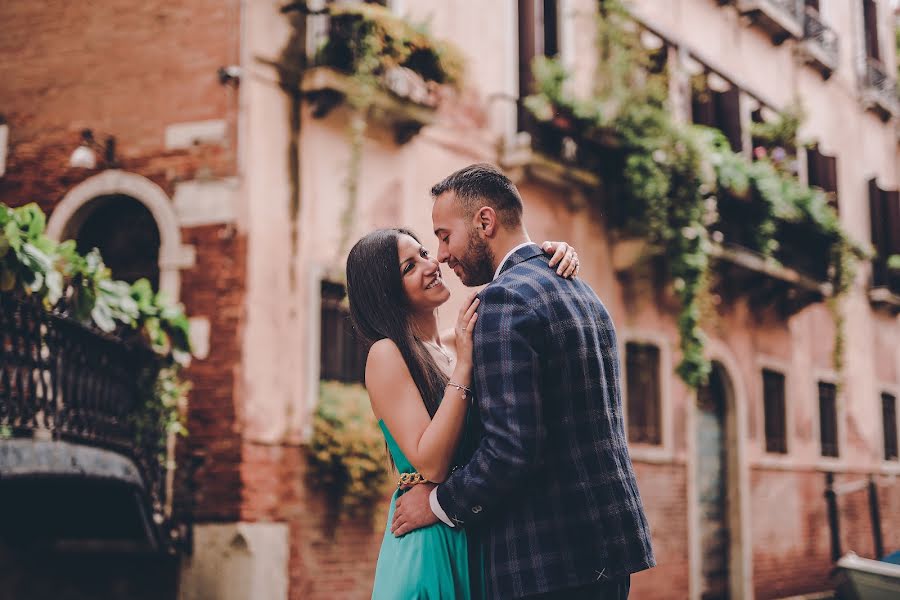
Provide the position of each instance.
(478, 263)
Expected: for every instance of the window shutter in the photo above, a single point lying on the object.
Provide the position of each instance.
(877, 216)
(870, 18)
(889, 420)
(774, 412)
(828, 430)
(643, 393)
(550, 28)
(892, 222)
(813, 166)
(728, 116)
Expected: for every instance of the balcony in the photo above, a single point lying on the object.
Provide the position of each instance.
(399, 87)
(884, 293)
(879, 90)
(395, 106)
(71, 404)
(560, 152)
(781, 19)
(820, 47)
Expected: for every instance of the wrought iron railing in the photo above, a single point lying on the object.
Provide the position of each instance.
(61, 380)
(816, 31)
(793, 8)
(876, 78)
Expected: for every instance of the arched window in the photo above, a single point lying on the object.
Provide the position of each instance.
(125, 232)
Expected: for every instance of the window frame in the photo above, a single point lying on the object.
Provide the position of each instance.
(643, 452)
(838, 429)
(764, 458)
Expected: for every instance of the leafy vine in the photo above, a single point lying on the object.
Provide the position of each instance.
(677, 177)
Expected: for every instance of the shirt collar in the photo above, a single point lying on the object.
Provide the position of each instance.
(506, 258)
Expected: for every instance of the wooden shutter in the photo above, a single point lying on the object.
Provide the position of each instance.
(643, 393)
(828, 427)
(877, 217)
(889, 419)
(814, 166)
(527, 51)
(774, 409)
(892, 221)
(702, 105)
(342, 355)
(870, 19)
(550, 28)
(728, 115)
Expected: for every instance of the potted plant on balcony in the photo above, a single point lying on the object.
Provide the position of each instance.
(80, 288)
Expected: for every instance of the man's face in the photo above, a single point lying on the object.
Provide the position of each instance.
(460, 243)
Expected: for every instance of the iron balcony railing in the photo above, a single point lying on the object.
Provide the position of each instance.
(62, 381)
(884, 87)
(824, 37)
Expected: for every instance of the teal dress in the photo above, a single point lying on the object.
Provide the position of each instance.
(431, 563)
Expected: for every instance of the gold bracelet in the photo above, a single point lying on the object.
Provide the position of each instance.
(411, 479)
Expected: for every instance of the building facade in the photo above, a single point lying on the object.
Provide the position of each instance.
(235, 143)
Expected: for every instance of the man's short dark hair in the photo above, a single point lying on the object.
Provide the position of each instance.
(480, 185)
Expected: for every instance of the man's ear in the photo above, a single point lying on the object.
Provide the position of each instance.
(486, 221)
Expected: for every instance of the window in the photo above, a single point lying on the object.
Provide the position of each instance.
(889, 417)
(715, 102)
(884, 213)
(870, 22)
(538, 36)
(822, 173)
(828, 432)
(643, 393)
(774, 409)
(343, 354)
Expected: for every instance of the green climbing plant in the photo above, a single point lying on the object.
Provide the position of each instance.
(677, 178)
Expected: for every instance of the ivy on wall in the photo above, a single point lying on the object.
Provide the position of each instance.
(675, 178)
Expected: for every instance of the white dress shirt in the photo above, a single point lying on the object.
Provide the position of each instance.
(432, 497)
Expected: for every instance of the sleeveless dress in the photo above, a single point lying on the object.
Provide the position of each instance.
(431, 563)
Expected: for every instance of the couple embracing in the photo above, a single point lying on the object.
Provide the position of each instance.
(507, 431)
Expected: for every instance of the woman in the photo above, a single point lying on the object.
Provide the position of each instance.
(419, 384)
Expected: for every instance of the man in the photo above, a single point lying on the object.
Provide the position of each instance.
(551, 481)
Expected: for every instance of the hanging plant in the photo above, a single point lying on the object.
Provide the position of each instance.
(347, 453)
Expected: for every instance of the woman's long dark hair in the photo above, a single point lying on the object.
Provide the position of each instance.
(379, 308)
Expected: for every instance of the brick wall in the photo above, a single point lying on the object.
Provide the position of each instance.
(131, 69)
(790, 533)
(664, 494)
(332, 555)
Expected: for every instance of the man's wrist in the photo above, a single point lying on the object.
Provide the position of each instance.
(436, 508)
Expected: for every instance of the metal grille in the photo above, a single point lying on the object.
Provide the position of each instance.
(816, 30)
(63, 381)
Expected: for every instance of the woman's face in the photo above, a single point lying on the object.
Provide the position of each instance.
(420, 274)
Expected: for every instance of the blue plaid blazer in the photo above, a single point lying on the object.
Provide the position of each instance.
(550, 488)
